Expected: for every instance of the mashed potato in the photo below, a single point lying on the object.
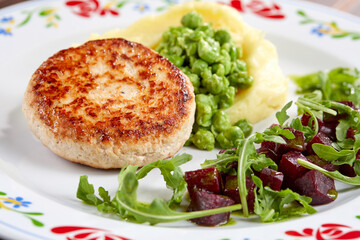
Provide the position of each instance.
(270, 89)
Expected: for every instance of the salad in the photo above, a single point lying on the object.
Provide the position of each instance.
(275, 175)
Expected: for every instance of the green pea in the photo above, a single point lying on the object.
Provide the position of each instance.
(195, 80)
(233, 54)
(215, 84)
(241, 80)
(230, 137)
(239, 51)
(222, 36)
(196, 35)
(218, 69)
(209, 50)
(205, 108)
(191, 20)
(226, 46)
(227, 97)
(199, 66)
(177, 50)
(213, 64)
(203, 115)
(166, 36)
(238, 66)
(176, 60)
(192, 60)
(226, 61)
(245, 126)
(191, 48)
(204, 139)
(207, 30)
(207, 99)
(220, 121)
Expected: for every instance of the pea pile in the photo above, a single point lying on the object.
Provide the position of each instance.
(213, 64)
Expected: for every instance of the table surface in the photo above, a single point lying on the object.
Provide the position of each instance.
(350, 6)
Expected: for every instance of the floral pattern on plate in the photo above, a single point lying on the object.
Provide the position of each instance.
(329, 28)
(13, 204)
(328, 231)
(78, 233)
(258, 7)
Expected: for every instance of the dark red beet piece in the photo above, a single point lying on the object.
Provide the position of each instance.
(208, 179)
(322, 163)
(290, 168)
(231, 190)
(316, 185)
(319, 138)
(347, 170)
(351, 133)
(329, 129)
(296, 144)
(204, 200)
(271, 178)
(270, 149)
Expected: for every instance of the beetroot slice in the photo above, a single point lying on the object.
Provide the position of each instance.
(321, 138)
(291, 169)
(231, 190)
(347, 170)
(204, 200)
(208, 179)
(270, 149)
(316, 185)
(272, 178)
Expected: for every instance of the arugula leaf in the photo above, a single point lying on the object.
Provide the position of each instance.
(125, 203)
(339, 84)
(282, 116)
(273, 134)
(244, 150)
(335, 157)
(260, 161)
(86, 192)
(274, 206)
(222, 162)
(325, 85)
(173, 176)
(158, 210)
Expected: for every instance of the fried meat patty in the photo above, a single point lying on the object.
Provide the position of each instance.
(110, 102)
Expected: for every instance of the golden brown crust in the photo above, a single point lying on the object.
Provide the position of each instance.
(109, 92)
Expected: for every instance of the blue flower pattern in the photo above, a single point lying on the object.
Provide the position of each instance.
(20, 200)
(142, 7)
(6, 30)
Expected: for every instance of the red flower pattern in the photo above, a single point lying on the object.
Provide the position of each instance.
(86, 8)
(258, 7)
(329, 231)
(86, 233)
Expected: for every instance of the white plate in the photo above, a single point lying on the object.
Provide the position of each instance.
(46, 184)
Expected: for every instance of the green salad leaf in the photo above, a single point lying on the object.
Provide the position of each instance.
(339, 84)
(125, 203)
(274, 206)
